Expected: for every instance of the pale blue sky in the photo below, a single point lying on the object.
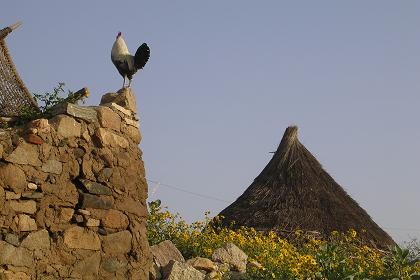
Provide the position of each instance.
(226, 78)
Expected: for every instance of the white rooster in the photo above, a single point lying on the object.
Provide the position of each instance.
(127, 64)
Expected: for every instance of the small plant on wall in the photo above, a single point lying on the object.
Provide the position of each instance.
(50, 99)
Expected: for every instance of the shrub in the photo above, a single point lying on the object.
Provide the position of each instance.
(341, 256)
(414, 249)
(46, 102)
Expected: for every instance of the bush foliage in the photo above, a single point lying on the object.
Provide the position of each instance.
(47, 101)
(341, 256)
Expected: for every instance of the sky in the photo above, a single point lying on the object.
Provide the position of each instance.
(226, 78)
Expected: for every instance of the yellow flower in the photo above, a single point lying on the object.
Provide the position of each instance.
(304, 257)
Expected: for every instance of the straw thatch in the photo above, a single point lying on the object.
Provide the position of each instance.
(14, 96)
(294, 192)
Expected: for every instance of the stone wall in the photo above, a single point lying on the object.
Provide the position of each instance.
(72, 195)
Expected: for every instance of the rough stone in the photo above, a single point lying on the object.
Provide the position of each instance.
(25, 223)
(129, 205)
(115, 219)
(155, 272)
(92, 222)
(96, 188)
(232, 255)
(13, 177)
(32, 195)
(79, 219)
(108, 138)
(2, 199)
(12, 195)
(79, 153)
(65, 214)
(12, 239)
(25, 206)
(105, 174)
(93, 201)
(117, 243)
(121, 109)
(108, 98)
(124, 159)
(202, 264)
(11, 275)
(84, 212)
(180, 271)
(87, 164)
(37, 240)
(41, 125)
(32, 186)
(16, 256)
(124, 97)
(113, 264)
(131, 122)
(108, 118)
(164, 252)
(133, 133)
(52, 166)
(88, 268)
(86, 136)
(66, 193)
(34, 139)
(66, 126)
(79, 238)
(107, 157)
(24, 154)
(87, 114)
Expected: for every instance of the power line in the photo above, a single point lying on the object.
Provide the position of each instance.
(187, 191)
(158, 184)
(402, 229)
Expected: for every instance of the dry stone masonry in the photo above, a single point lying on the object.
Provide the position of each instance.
(72, 195)
(227, 262)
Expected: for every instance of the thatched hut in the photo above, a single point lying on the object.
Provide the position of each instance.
(294, 192)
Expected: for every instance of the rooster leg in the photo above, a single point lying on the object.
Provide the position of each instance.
(129, 82)
(123, 82)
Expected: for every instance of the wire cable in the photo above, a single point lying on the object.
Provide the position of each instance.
(159, 184)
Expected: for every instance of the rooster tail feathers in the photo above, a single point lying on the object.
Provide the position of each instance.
(142, 56)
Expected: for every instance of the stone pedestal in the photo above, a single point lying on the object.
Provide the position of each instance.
(73, 195)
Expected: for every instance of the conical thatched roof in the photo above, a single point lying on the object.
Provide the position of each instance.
(295, 192)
